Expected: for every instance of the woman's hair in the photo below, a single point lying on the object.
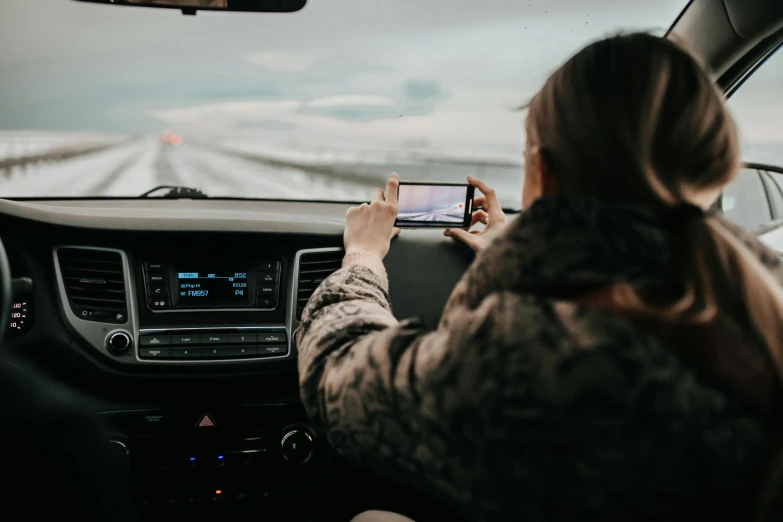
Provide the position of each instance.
(635, 118)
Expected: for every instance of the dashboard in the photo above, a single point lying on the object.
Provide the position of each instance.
(173, 321)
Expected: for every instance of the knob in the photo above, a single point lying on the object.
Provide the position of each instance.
(119, 448)
(118, 342)
(297, 446)
(121, 456)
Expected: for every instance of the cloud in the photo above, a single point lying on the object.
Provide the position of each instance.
(244, 110)
(352, 101)
(418, 90)
(409, 98)
(282, 62)
(272, 125)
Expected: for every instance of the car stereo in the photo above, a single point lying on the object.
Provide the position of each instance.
(191, 285)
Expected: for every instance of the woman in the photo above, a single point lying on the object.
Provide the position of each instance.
(614, 354)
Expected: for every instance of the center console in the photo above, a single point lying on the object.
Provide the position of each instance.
(197, 287)
(256, 458)
(174, 306)
(185, 309)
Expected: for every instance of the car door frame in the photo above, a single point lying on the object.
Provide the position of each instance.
(732, 37)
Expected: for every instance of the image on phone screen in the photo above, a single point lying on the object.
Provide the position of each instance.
(433, 205)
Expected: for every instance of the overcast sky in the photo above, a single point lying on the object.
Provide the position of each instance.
(365, 72)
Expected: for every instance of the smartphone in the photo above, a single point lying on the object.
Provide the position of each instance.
(434, 205)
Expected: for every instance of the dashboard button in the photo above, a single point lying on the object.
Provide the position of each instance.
(266, 289)
(185, 339)
(216, 352)
(156, 277)
(274, 337)
(160, 303)
(242, 338)
(154, 340)
(155, 266)
(104, 316)
(136, 423)
(267, 301)
(186, 353)
(272, 350)
(269, 265)
(157, 290)
(154, 353)
(267, 277)
(244, 351)
(214, 338)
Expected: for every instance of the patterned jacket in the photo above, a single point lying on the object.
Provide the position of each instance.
(521, 404)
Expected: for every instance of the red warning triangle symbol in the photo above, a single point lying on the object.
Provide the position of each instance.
(206, 422)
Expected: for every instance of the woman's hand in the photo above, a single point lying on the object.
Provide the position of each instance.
(369, 227)
(486, 210)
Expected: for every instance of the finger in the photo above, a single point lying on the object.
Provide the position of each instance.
(479, 216)
(377, 195)
(491, 200)
(479, 202)
(395, 232)
(461, 235)
(392, 186)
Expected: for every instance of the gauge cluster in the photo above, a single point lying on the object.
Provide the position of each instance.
(21, 307)
(21, 317)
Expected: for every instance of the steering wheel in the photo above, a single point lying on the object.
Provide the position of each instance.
(5, 292)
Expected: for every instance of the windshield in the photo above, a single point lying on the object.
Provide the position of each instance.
(321, 104)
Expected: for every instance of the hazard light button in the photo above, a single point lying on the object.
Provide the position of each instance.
(206, 421)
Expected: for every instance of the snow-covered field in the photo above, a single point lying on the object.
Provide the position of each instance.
(19, 144)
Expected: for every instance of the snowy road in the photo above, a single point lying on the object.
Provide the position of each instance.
(134, 167)
(437, 216)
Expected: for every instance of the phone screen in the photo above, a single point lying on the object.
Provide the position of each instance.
(434, 205)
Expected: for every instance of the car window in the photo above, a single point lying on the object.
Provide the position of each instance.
(745, 201)
(320, 104)
(757, 108)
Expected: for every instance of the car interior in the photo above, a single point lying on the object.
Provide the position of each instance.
(173, 318)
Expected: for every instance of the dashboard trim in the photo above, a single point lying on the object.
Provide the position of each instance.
(291, 305)
(202, 215)
(280, 327)
(95, 332)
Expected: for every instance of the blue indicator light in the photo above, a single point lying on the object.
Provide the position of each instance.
(192, 459)
(220, 457)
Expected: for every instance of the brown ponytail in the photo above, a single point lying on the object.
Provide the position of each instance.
(635, 118)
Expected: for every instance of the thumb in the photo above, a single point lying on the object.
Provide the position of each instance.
(462, 235)
(395, 232)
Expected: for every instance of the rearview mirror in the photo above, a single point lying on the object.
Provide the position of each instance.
(190, 7)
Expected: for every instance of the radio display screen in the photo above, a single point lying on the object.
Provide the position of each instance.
(199, 288)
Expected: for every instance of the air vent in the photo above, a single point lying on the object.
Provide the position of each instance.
(94, 282)
(314, 267)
